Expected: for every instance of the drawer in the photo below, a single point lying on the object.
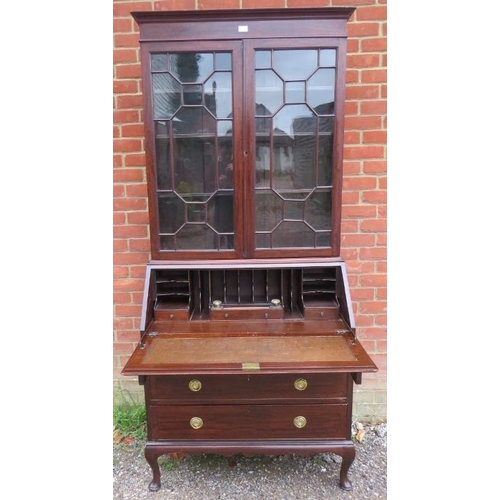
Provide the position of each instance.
(248, 387)
(245, 422)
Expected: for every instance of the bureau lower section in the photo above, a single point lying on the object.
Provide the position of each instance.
(256, 413)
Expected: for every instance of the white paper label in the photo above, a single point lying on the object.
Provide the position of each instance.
(242, 29)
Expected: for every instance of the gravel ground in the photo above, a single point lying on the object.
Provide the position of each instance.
(284, 477)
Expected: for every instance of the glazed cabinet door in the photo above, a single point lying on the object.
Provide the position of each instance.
(194, 151)
(295, 100)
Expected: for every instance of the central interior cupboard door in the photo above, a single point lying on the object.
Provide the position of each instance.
(293, 95)
(196, 193)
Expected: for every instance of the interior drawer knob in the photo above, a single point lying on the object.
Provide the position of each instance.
(195, 385)
(196, 423)
(300, 384)
(299, 422)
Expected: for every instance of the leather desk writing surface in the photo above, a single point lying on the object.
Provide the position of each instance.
(180, 354)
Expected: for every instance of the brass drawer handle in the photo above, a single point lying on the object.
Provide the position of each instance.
(300, 384)
(299, 422)
(195, 385)
(196, 423)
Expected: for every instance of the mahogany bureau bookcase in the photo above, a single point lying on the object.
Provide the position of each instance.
(247, 340)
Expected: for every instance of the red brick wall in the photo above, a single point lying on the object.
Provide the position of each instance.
(364, 240)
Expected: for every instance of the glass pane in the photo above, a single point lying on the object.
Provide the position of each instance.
(223, 61)
(268, 207)
(262, 151)
(196, 212)
(295, 64)
(159, 62)
(293, 234)
(269, 91)
(194, 121)
(225, 165)
(191, 67)
(163, 163)
(321, 89)
(282, 162)
(218, 95)
(166, 95)
(304, 149)
(171, 212)
(295, 92)
(295, 119)
(263, 59)
(294, 210)
(327, 57)
(196, 237)
(318, 209)
(324, 239)
(221, 217)
(325, 160)
(192, 95)
(263, 240)
(194, 171)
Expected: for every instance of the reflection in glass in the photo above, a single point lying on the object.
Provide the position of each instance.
(159, 62)
(295, 64)
(268, 208)
(166, 95)
(196, 212)
(294, 210)
(222, 61)
(263, 240)
(304, 149)
(163, 165)
(220, 217)
(269, 90)
(318, 209)
(324, 239)
(263, 59)
(327, 57)
(262, 151)
(196, 237)
(191, 67)
(192, 95)
(171, 212)
(293, 234)
(295, 92)
(320, 87)
(325, 160)
(218, 93)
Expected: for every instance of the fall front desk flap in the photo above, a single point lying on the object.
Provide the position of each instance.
(167, 353)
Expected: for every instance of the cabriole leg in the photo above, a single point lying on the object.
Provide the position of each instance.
(348, 453)
(152, 455)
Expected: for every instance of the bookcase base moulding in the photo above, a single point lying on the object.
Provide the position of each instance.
(247, 338)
